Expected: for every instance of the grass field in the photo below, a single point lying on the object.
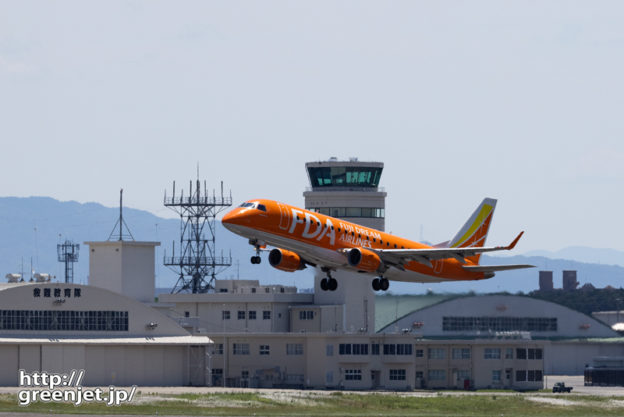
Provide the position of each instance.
(304, 403)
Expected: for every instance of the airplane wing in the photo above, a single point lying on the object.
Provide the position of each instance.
(494, 268)
(399, 257)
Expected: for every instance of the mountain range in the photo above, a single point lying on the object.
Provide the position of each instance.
(31, 227)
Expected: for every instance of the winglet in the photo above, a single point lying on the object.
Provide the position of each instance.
(515, 241)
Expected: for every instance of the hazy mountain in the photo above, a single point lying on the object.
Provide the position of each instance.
(30, 228)
(584, 254)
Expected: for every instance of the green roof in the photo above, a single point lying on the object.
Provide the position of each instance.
(389, 308)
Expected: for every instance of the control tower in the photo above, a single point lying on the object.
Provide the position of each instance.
(348, 190)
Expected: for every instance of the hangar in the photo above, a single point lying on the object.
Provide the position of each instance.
(571, 339)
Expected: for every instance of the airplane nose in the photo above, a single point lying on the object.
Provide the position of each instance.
(230, 217)
(238, 216)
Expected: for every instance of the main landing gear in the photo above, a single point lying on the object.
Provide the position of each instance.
(256, 259)
(381, 284)
(329, 283)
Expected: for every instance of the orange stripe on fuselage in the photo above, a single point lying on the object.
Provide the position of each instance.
(335, 234)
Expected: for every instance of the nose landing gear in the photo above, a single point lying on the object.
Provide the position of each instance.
(381, 284)
(329, 283)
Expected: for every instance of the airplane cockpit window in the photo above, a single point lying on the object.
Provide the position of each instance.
(254, 205)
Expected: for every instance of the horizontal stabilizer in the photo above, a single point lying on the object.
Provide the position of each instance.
(494, 268)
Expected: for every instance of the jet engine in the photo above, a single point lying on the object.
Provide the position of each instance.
(364, 260)
(285, 260)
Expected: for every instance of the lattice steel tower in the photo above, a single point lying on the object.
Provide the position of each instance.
(196, 262)
(68, 253)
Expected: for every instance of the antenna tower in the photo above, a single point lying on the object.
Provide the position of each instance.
(120, 223)
(68, 253)
(196, 262)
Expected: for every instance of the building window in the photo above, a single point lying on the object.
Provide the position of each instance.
(294, 348)
(252, 315)
(437, 353)
(535, 353)
(265, 349)
(436, 375)
(57, 292)
(521, 353)
(496, 376)
(492, 353)
(404, 349)
(329, 350)
(499, 324)
(420, 353)
(65, 320)
(398, 349)
(245, 374)
(353, 374)
(241, 315)
(419, 375)
(461, 353)
(225, 315)
(375, 349)
(353, 349)
(266, 315)
(360, 349)
(463, 374)
(67, 292)
(218, 349)
(37, 292)
(329, 377)
(77, 292)
(240, 348)
(397, 374)
(46, 292)
(521, 376)
(509, 353)
(306, 315)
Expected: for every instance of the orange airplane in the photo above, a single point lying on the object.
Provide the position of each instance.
(302, 237)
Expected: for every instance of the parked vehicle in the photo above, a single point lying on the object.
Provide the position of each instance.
(560, 387)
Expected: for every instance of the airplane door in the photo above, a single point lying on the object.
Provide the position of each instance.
(284, 217)
(437, 266)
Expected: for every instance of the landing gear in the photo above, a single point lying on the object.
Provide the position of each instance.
(256, 259)
(329, 283)
(381, 284)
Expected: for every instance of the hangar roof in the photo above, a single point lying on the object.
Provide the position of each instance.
(389, 308)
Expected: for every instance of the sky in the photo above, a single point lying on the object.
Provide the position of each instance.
(520, 101)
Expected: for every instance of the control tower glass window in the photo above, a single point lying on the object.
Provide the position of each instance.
(344, 176)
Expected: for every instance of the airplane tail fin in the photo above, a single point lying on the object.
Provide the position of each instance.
(474, 232)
